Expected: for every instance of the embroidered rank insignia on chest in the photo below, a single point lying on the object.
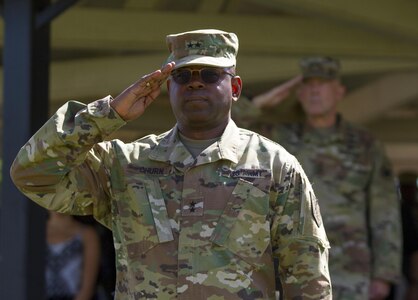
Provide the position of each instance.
(192, 206)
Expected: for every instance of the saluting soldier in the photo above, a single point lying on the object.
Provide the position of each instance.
(197, 212)
(351, 176)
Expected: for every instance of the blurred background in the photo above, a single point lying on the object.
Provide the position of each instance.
(99, 47)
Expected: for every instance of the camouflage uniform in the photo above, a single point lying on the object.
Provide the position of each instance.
(203, 228)
(352, 179)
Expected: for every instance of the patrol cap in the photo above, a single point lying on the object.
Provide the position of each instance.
(208, 47)
(320, 66)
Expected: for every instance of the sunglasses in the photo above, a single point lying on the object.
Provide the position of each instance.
(208, 75)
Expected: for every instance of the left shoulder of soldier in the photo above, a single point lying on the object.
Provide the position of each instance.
(263, 139)
(267, 145)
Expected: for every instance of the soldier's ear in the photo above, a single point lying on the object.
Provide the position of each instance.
(236, 87)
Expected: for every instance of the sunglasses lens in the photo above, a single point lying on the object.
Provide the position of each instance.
(181, 76)
(210, 75)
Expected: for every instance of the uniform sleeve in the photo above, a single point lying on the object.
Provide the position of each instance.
(61, 167)
(384, 219)
(300, 241)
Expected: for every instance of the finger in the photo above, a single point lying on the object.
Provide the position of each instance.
(146, 84)
(149, 85)
(290, 83)
(163, 73)
(157, 78)
(297, 78)
(168, 67)
(280, 97)
(151, 97)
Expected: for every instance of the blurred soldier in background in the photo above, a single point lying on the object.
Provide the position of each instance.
(351, 177)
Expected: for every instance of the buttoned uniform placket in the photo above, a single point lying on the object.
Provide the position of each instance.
(308, 142)
(191, 218)
(195, 221)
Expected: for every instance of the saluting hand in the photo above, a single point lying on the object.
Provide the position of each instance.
(277, 94)
(133, 101)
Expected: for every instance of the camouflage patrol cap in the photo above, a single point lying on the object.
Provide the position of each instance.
(209, 47)
(320, 66)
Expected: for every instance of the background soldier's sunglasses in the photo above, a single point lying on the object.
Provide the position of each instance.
(208, 75)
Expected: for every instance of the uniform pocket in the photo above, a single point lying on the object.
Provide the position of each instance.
(143, 218)
(243, 227)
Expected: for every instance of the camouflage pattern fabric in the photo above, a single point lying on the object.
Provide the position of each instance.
(319, 67)
(352, 178)
(184, 228)
(206, 47)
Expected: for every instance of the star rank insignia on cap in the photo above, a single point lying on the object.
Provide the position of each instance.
(194, 44)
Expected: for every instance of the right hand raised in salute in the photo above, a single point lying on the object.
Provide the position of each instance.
(133, 101)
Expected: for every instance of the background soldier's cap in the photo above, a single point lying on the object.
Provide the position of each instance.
(320, 66)
(209, 47)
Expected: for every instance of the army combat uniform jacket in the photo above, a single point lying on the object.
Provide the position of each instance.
(352, 178)
(183, 227)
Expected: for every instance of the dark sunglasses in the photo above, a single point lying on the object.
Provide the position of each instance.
(208, 75)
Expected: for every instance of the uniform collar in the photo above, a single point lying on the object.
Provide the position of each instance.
(332, 134)
(171, 150)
